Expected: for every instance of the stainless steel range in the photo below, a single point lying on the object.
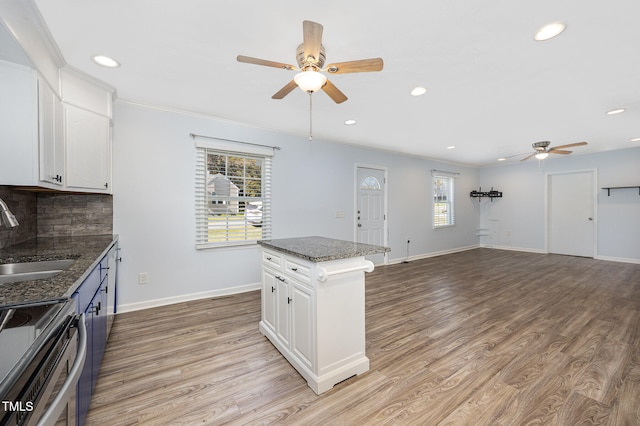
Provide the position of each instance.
(42, 353)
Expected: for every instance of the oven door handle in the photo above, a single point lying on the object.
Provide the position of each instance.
(57, 406)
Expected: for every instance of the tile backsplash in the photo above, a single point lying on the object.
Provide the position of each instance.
(53, 214)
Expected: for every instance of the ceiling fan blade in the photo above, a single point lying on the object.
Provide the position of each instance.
(528, 156)
(362, 65)
(256, 61)
(312, 33)
(559, 151)
(567, 146)
(334, 93)
(285, 90)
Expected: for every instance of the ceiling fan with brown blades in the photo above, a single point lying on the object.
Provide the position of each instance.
(542, 149)
(310, 56)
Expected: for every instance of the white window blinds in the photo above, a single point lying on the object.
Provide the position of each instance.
(443, 201)
(233, 196)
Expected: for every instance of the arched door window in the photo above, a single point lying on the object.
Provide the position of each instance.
(370, 183)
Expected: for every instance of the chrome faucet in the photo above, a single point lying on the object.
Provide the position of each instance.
(6, 217)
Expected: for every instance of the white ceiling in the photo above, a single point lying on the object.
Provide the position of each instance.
(492, 89)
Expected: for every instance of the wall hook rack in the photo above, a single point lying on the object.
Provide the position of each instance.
(490, 194)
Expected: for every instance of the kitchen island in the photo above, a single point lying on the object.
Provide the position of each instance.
(313, 307)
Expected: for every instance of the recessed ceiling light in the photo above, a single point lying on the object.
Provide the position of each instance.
(451, 147)
(418, 91)
(549, 31)
(634, 140)
(350, 122)
(105, 61)
(502, 159)
(616, 111)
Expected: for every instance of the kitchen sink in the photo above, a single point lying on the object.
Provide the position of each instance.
(14, 272)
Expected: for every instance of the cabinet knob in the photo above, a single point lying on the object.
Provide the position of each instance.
(273, 289)
(289, 300)
(268, 258)
(280, 278)
(294, 269)
(106, 185)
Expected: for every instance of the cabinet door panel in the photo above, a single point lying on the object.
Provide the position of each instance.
(302, 324)
(283, 314)
(87, 138)
(85, 383)
(51, 137)
(18, 125)
(269, 299)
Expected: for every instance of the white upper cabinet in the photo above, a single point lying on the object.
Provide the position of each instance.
(54, 120)
(51, 143)
(88, 146)
(18, 125)
(87, 119)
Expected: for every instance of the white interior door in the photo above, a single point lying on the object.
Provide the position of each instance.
(370, 209)
(571, 213)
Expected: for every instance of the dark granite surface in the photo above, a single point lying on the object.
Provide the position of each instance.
(87, 250)
(321, 249)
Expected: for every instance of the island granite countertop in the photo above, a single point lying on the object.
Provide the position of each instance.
(86, 250)
(321, 249)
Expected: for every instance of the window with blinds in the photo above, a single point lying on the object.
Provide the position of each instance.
(233, 192)
(443, 202)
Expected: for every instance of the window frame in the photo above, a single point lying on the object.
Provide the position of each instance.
(203, 238)
(449, 202)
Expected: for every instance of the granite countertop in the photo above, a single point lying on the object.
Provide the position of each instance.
(86, 250)
(321, 249)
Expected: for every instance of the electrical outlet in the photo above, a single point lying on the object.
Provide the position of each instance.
(143, 278)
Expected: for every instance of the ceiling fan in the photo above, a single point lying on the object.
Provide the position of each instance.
(310, 56)
(542, 151)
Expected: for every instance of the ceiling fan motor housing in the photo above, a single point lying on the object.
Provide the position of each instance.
(304, 63)
(541, 146)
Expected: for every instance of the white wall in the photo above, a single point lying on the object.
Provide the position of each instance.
(153, 184)
(517, 221)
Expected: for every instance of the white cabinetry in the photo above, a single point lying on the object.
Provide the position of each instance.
(313, 313)
(88, 149)
(53, 143)
(18, 125)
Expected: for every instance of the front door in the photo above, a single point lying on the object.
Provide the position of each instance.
(571, 214)
(370, 209)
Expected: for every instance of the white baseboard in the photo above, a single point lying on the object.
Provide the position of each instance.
(524, 249)
(433, 254)
(130, 307)
(618, 259)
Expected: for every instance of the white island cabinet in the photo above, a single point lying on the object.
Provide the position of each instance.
(313, 307)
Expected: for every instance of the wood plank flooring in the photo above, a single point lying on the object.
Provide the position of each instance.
(482, 337)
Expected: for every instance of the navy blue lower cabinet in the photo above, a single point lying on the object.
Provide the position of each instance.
(91, 299)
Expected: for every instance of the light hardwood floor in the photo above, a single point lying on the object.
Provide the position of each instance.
(482, 337)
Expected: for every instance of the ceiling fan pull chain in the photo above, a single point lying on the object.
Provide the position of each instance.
(310, 117)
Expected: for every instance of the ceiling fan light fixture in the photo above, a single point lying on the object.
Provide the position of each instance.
(542, 155)
(310, 81)
(549, 31)
(418, 91)
(105, 61)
